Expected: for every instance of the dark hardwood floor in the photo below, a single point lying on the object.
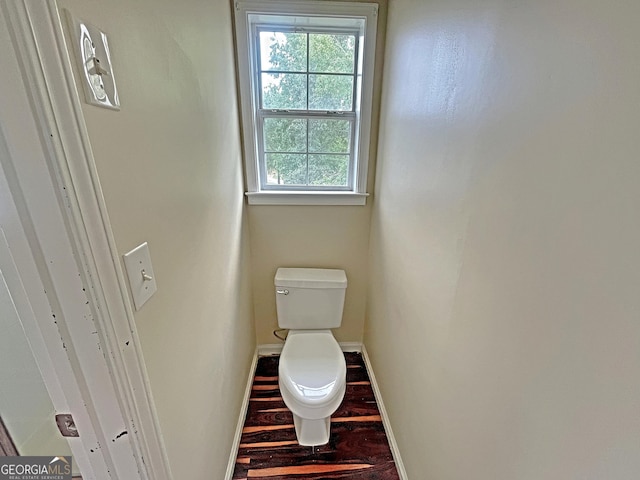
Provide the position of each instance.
(358, 448)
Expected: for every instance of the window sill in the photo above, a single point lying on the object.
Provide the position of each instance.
(306, 198)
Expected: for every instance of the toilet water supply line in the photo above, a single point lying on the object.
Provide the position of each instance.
(278, 330)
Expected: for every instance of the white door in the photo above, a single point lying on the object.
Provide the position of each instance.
(27, 321)
(26, 409)
(27, 306)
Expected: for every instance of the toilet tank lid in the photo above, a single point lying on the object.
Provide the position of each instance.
(310, 278)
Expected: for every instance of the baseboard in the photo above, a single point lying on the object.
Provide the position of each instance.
(267, 349)
(243, 413)
(385, 419)
(351, 346)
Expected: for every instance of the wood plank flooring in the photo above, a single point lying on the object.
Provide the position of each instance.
(358, 448)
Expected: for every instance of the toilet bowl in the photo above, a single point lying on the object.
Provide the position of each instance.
(312, 380)
(312, 369)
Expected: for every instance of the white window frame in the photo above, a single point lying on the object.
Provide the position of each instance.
(357, 16)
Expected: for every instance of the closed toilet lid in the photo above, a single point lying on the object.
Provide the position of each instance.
(312, 367)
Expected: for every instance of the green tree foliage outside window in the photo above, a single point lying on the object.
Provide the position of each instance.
(302, 73)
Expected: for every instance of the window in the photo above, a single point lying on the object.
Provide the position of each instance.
(306, 81)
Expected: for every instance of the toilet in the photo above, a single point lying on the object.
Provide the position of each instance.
(312, 370)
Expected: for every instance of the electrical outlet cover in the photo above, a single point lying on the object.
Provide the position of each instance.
(142, 280)
(91, 49)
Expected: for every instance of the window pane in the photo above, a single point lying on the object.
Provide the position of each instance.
(283, 51)
(328, 170)
(330, 92)
(329, 136)
(285, 135)
(331, 53)
(286, 91)
(286, 169)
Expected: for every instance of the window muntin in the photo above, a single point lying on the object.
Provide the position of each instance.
(309, 151)
(309, 163)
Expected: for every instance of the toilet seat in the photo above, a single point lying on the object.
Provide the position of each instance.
(312, 372)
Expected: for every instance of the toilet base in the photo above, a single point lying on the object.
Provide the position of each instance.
(312, 433)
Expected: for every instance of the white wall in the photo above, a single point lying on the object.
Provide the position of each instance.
(170, 167)
(505, 270)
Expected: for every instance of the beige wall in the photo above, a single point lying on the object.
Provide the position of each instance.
(505, 274)
(309, 236)
(170, 166)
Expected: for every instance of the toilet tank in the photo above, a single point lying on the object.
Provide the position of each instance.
(310, 298)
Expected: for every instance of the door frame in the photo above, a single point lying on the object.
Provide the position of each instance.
(76, 257)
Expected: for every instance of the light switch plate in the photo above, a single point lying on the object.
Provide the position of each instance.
(142, 281)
